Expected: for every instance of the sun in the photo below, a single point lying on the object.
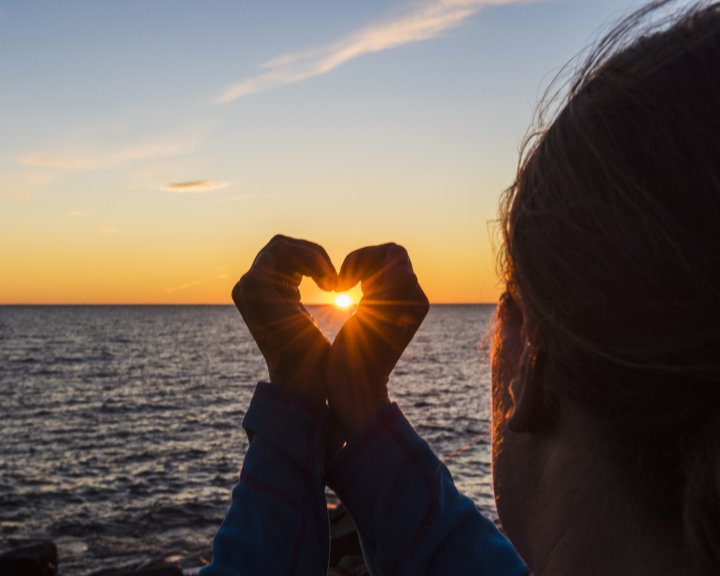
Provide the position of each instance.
(343, 301)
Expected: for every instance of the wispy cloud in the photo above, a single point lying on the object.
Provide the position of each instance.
(22, 184)
(36, 170)
(85, 161)
(194, 186)
(184, 286)
(222, 273)
(429, 21)
(76, 213)
(243, 198)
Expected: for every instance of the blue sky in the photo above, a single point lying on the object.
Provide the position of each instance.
(151, 148)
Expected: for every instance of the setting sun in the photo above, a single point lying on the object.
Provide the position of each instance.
(343, 301)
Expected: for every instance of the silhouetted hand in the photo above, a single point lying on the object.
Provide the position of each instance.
(372, 340)
(268, 298)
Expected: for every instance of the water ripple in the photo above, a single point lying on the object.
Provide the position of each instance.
(121, 425)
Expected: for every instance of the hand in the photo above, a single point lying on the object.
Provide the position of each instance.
(371, 342)
(268, 299)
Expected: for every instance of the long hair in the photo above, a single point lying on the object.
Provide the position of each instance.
(612, 241)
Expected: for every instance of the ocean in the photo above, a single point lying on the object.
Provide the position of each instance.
(120, 425)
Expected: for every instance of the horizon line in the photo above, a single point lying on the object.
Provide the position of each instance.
(28, 304)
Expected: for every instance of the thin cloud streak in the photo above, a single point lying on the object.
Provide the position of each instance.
(183, 286)
(36, 170)
(244, 197)
(195, 186)
(22, 184)
(430, 21)
(88, 161)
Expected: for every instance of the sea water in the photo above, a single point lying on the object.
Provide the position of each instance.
(120, 425)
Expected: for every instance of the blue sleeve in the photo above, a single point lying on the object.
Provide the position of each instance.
(410, 517)
(277, 522)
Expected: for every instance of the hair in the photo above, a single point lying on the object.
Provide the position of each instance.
(612, 242)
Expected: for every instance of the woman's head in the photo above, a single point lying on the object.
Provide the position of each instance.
(612, 258)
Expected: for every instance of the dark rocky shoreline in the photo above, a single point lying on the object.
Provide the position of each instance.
(40, 557)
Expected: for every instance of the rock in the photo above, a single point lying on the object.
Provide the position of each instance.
(30, 558)
(345, 552)
(353, 566)
(344, 539)
(156, 567)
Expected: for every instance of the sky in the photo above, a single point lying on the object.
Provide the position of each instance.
(150, 149)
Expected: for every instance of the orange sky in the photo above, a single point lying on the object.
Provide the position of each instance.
(111, 269)
(134, 169)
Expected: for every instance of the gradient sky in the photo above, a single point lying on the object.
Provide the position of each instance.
(150, 148)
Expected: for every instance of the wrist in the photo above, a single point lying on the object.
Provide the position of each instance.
(355, 414)
(301, 382)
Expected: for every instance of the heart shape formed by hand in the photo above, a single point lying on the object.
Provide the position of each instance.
(268, 297)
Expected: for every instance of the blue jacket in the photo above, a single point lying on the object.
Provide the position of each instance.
(410, 517)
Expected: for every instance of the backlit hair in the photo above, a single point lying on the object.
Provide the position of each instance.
(612, 241)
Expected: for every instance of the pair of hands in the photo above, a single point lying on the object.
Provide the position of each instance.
(352, 372)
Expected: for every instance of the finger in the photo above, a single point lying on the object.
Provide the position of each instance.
(363, 265)
(399, 274)
(275, 322)
(296, 258)
(393, 301)
(274, 278)
(320, 251)
(385, 271)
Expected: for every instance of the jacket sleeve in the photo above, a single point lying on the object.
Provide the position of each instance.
(277, 521)
(410, 517)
